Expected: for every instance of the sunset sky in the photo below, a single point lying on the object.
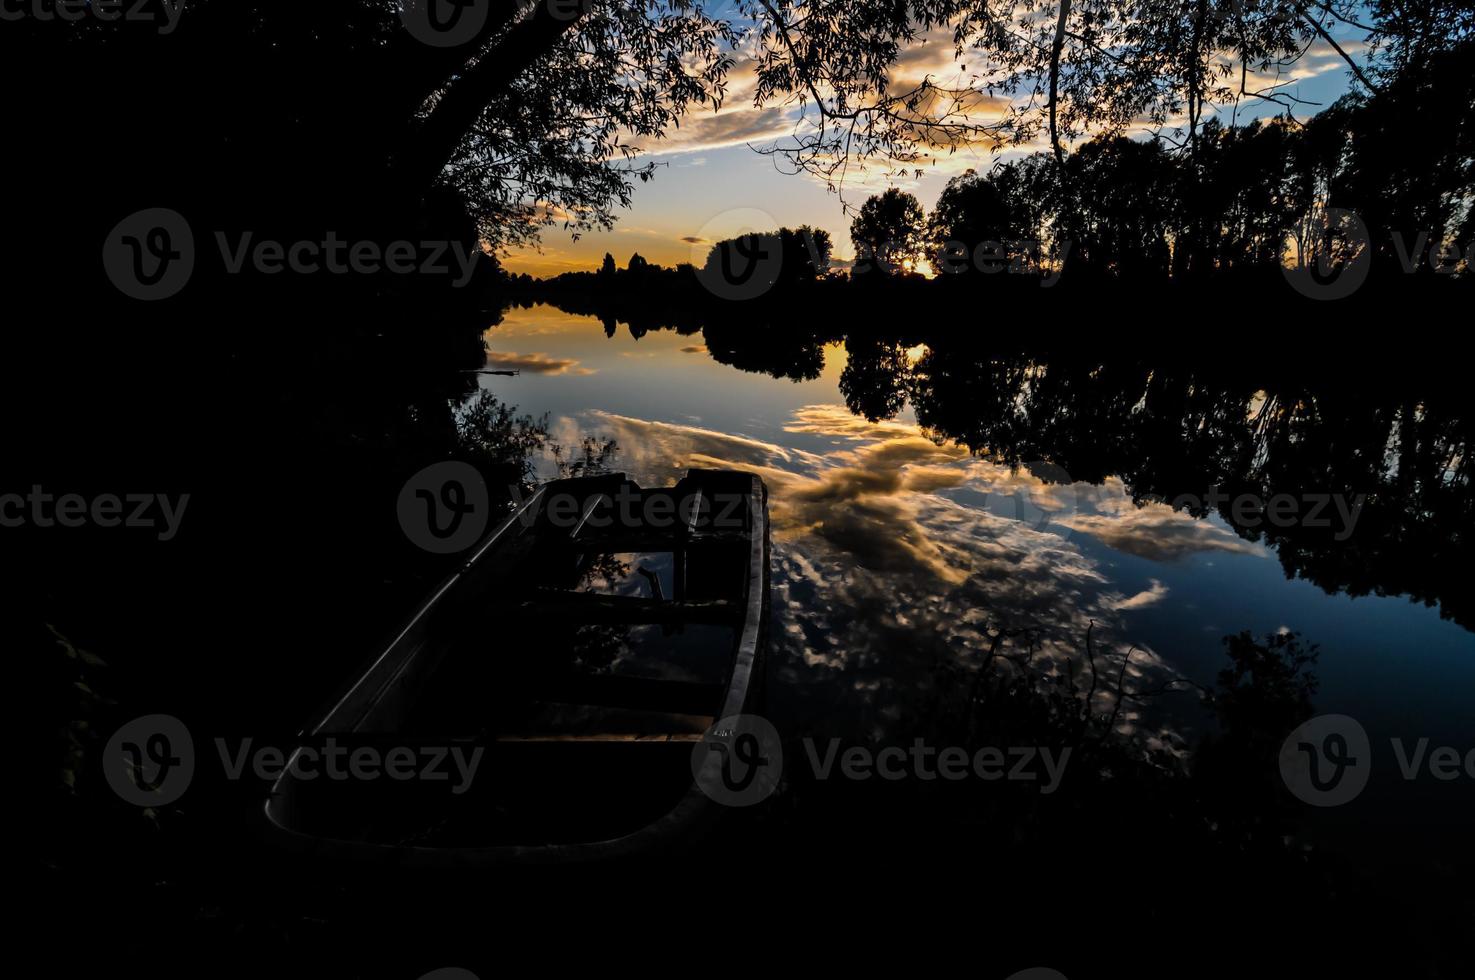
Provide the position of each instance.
(712, 185)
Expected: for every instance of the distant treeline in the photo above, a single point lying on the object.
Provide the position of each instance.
(1375, 186)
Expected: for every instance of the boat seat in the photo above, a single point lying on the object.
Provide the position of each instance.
(594, 607)
(625, 540)
(636, 693)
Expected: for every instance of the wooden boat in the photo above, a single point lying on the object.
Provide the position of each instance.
(584, 647)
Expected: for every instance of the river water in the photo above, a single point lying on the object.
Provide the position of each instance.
(898, 554)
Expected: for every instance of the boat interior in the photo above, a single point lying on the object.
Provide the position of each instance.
(583, 652)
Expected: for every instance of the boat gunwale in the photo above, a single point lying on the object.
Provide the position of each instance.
(694, 809)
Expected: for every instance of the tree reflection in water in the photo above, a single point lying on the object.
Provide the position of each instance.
(1173, 434)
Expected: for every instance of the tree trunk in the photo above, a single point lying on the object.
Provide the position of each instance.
(1055, 51)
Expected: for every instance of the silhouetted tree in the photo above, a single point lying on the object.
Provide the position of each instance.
(1118, 209)
(806, 253)
(530, 119)
(1412, 31)
(888, 233)
(1407, 165)
(874, 381)
(971, 215)
(788, 255)
(1031, 192)
(1082, 65)
(765, 348)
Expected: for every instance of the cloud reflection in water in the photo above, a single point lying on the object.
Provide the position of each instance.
(894, 555)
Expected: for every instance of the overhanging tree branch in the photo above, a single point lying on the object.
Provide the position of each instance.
(1055, 50)
(1316, 26)
(427, 68)
(453, 116)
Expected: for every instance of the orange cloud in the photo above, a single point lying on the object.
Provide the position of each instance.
(534, 363)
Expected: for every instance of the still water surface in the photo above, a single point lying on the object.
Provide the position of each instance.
(895, 553)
